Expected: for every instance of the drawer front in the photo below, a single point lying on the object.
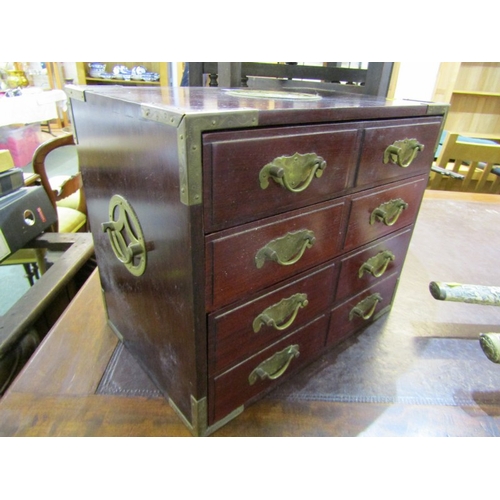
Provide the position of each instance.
(257, 174)
(361, 269)
(361, 310)
(376, 213)
(238, 333)
(262, 254)
(397, 150)
(266, 369)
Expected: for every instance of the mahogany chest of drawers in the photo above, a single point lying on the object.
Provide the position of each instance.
(240, 234)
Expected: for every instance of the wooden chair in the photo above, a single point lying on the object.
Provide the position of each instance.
(467, 163)
(67, 197)
(330, 77)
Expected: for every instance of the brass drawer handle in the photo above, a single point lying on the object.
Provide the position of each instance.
(294, 173)
(286, 250)
(366, 307)
(275, 315)
(388, 212)
(275, 366)
(377, 265)
(125, 235)
(402, 153)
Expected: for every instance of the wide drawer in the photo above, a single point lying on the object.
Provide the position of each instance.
(362, 309)
(239, 332)
(261, 254)
(258, 173)
(376, 213)
(364, 267)
(266, 369)
(397, 149)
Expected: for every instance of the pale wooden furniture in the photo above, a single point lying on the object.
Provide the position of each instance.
(473, 91)
(473, 161)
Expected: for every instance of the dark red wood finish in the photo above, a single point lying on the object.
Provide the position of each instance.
(341, 326)
(234, 160)
(359, 229)
(378, 136)
(232, 389)
(232, 272)
(187, 319)
(350, 282)
(231, 334)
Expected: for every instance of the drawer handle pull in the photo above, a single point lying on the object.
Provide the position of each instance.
(403, 152)
(294, 173)
(276, 315)
(275, 366)
(286, 250)
(388, 212)
(125, 235)
(377, 265)
(366, 307)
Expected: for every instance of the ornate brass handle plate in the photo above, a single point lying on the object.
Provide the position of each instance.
(125, 235)
(365, 308)
(377, 265)
(388, 212)
(276, 315)
(294, 173)
(275, 366)
(286, 250)
(402, 153)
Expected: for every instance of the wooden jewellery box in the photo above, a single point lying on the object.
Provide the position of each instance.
(241, 233)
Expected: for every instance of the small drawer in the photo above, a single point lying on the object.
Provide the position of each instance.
(265, 370)
(260, 173)
(362, 309)
(258, 255)
(376, 213)
(397, 150)
(370, 264)
(239, 332)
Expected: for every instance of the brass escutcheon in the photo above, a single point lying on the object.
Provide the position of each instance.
(286, 250)
(275, 366)
(294, 173)
(388, 212)
(125, 235)
(276, 315)
(365, 308)
(377, 265)
(403, 152)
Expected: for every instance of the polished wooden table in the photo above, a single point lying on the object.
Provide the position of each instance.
(57, 393)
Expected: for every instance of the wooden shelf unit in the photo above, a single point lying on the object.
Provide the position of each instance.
(156, 67)
(473, 91)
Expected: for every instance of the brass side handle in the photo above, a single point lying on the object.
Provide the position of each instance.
(365, 308)
(388, 212)
(276, 315)
(275, 366)
(125, 235)
(377, 265)
(294, 173)
(402, 153)
(286, 250)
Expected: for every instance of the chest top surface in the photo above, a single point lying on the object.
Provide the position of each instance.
(271, 107)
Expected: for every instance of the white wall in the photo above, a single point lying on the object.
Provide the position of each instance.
(416, 80)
